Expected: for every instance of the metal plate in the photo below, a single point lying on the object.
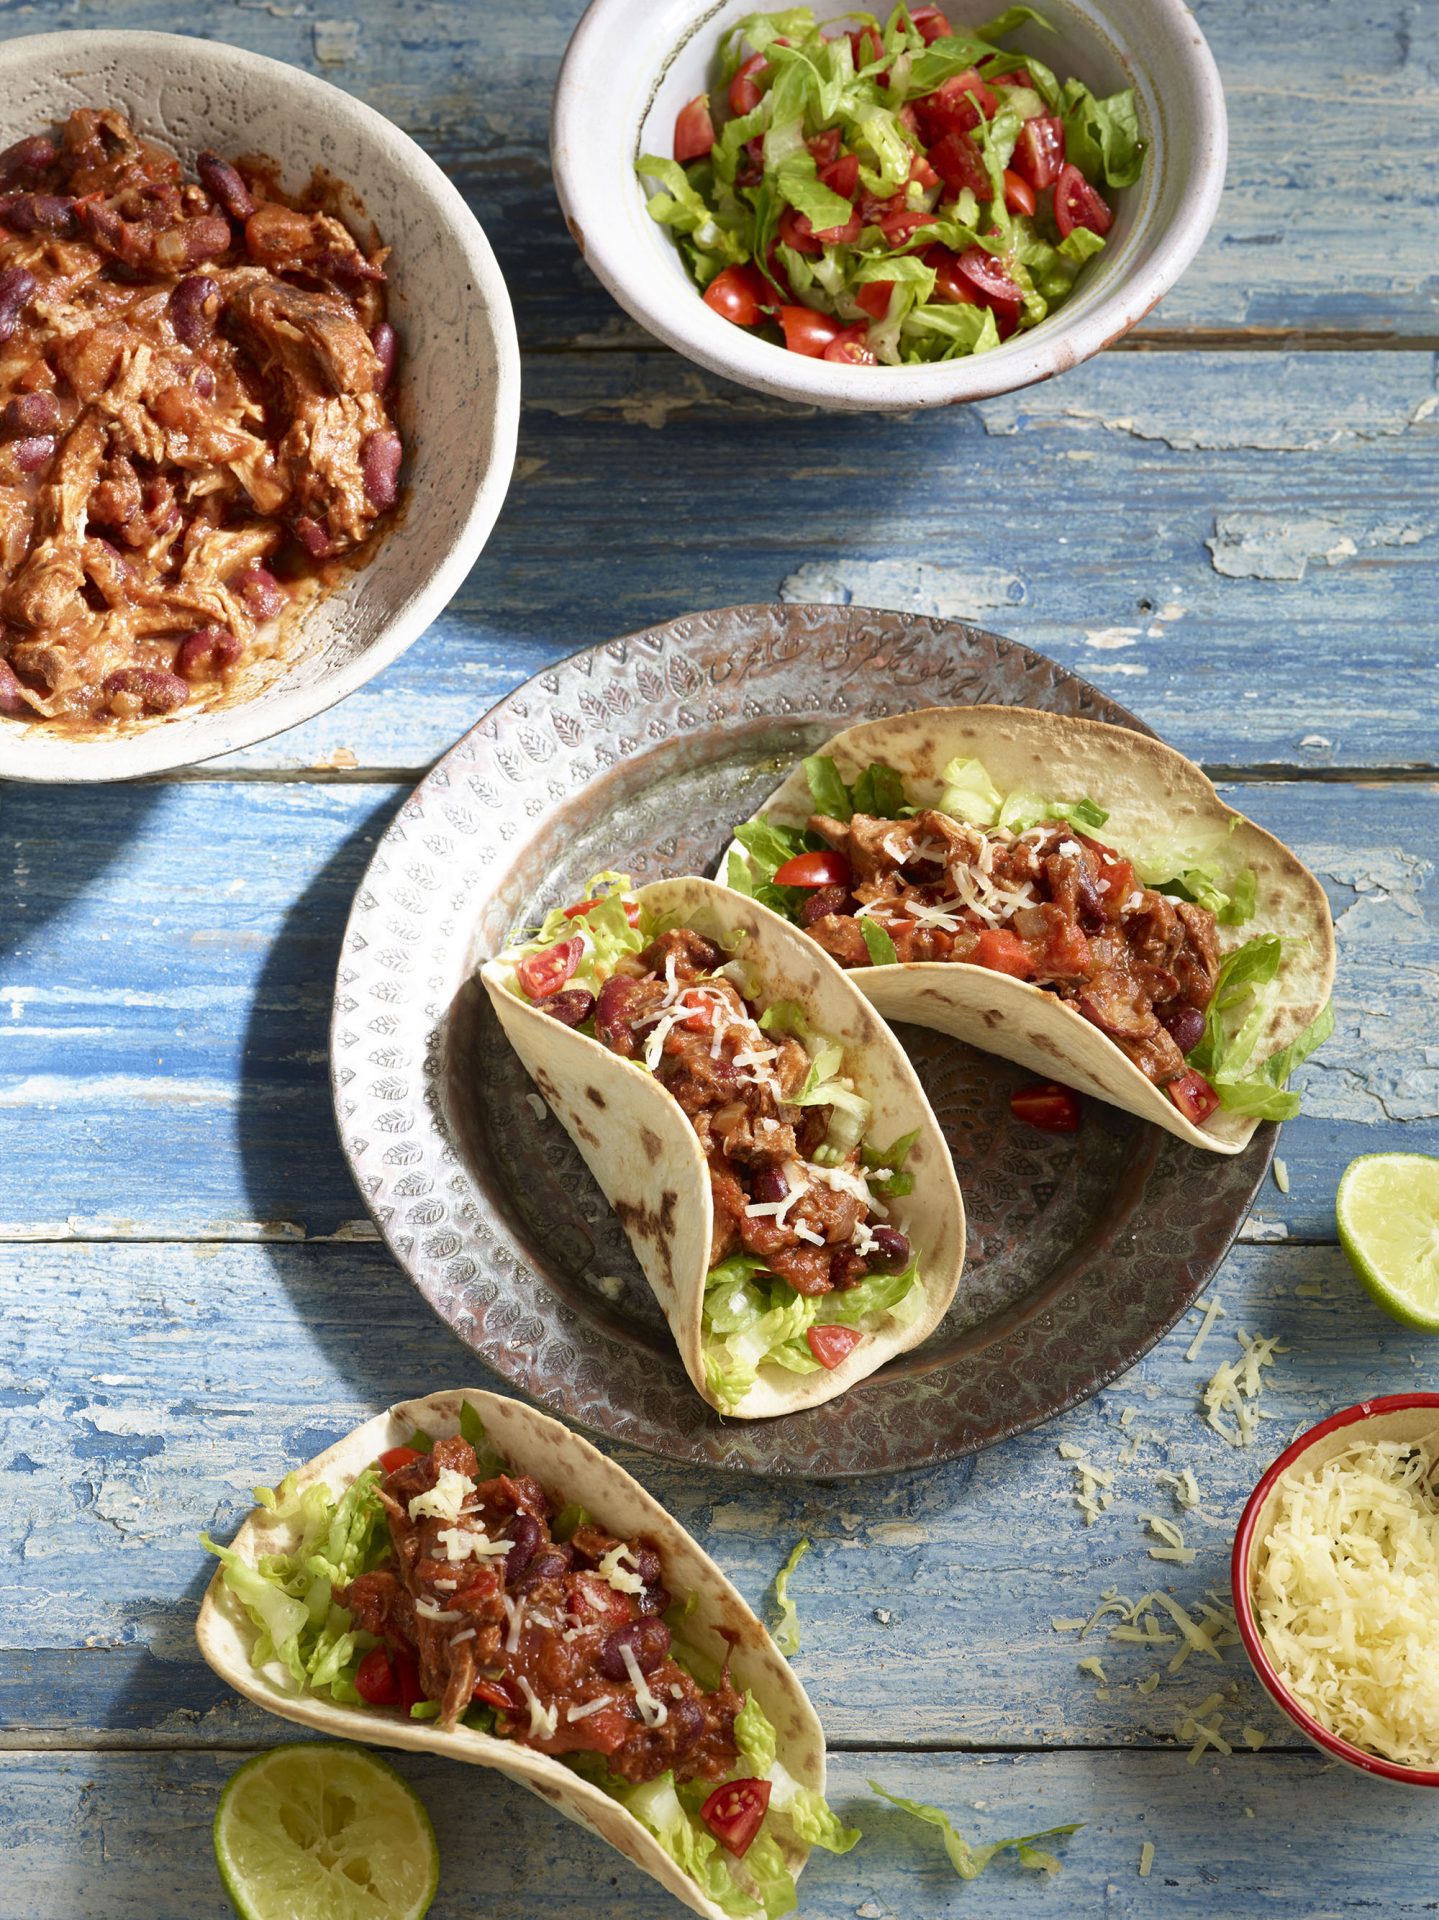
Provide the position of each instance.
(641, 755)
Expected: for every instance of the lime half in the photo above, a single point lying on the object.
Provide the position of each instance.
(1388, 1214)
(324, 1832)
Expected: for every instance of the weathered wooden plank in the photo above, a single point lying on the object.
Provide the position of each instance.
(1311, 179)
(165, 992)
(128, 1836)
(200, 1370)
(1239, 546)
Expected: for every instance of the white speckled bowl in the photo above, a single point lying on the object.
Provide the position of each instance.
(459, 372)
(629, 70)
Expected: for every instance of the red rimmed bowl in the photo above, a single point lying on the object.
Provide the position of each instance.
(1406, 1417)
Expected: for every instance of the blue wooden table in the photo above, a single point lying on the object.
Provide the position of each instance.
(1230, 524)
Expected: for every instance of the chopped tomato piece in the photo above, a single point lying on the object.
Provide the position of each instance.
(829, 1345)
(699, 1014)
(735, 1812)
(931, 23)
(594, 1600)
(956, 106)
(375, 1680)
(694, 130)
(744, 94)
(874, 297)
(841, 176)
(1114, 876)
(542, 974)
(852, 348)
(1018, 194)
(740, 295)
(1046, 1105)
(407, 1677)
(901, 224)
(825, 867)
(987, 273)
(960, 164)
(1039, 154)
(923, 173)
(632, 907)
(1076, 204)
(1003, 952)
(1193, 1096)
(825, 146)
(868, 47)
(500, 1694)
(949, 283)
(394, 1457)
(808, 332)
(842, 236)
(1066, 951)
(795, 231)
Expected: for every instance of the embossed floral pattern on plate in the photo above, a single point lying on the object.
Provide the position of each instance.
(641, 754)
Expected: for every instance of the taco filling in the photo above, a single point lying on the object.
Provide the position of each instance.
(1024, 887)
(804, 1258)
(442, 1586)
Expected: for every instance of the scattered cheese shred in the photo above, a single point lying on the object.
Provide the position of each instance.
(1203, 1726)
(1146, 1859)
(1234, 1389)
(1149, 1683)
(1174, 1548)
(1281, 1176)
(1127, 1417)
(1254, 1738)
(1347, 1594)
(1090, 1664)
(1212, 1311)
(1091, 1483)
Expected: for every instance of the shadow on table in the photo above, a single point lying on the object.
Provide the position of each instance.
(57, 842)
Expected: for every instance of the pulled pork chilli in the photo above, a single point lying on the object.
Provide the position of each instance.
(194, 404)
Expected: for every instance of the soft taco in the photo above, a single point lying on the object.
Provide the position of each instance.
(1071, 895)
(464, 1576)
(759, 1132)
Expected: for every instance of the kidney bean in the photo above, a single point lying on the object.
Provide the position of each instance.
(225, 184)
(685, 1726)
(613, 1012)
(550, 1563)
(380, 457)
(194, 307)
(647, 1640)
(1186, 1028)
(890, 1252)
(31, 155)
(12, 701)
(571, 1008)
(825, 900)
(16, 286)
(30, 413)
(206, 653)
(40, 213)
(387, 351)
(769, 1184)
(185, 245)
(313, 537)
(35, 451)
(348, 270)
(152, 687)
(261, 592)
(525, 1537)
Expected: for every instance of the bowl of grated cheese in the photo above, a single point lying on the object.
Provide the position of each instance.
(1336, 1586)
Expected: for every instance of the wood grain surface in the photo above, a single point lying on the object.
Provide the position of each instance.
(1231, 526)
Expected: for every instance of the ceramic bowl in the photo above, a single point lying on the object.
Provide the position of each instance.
(629, 70)
(1406, 1417)
(459, 372)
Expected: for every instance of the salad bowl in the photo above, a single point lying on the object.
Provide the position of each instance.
(627, 75)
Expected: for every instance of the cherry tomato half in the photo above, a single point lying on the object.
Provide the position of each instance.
(1193, 1096)
(841, 175)
(931, 23)
(922, 173)
(740, 295)
(375, 1680)
(960, 164)
(1076, 204)
(1039, 154)
(744, 95)
(852, 348)
(1018, 194)
(1046, 1105)
(987, 273)
(542, 974)
(949, 283)
(735, 1812)
(808, 332)
(829, 1345)
(694, 130)
(901, 224)
(1003, 952)
(825, 867)
(951, 109)
(874, 297)
(825, 146)
(396, 1457)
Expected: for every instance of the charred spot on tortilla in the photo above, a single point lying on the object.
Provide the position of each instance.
(651, 1143)
(595, 1097)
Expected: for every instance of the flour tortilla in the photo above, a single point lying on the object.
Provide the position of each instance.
(1156, 801)
(570, 1469)
(641, 1148)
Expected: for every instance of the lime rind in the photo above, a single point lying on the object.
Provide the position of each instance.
(1387, 1212)
(324, 1830)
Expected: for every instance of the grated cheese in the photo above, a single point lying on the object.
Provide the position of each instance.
(464, 1543)
(1091, 1664)
(514, 1614)
(1235, 1388)
(1281, 1176)
(653, 1710)
(459, 1639)
(446, 1499)
(1146, 1859)
(1213, 1311)
(1347, 1596)
(544, 1721)
(622, 1578)
(427, 1610)
(590, 1706)
(1174, 1548)
(1091, 1483)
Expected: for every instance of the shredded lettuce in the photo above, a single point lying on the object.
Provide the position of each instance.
(766, 848)
(969, 794)
(1246, 992)
(472, 1428)
(605, 926)
(827, 788)
(1101, 137)
(786, 1633)
(878, 944)
(970, 1862)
